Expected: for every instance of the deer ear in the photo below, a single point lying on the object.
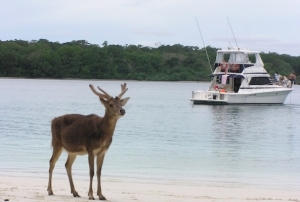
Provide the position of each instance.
(124, 101)
(103, 101)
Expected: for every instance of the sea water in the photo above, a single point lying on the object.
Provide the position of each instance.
(161, 138)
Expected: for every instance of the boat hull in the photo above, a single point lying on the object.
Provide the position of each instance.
(255, 97)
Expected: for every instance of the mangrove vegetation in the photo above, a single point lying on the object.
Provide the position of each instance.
(80, 59)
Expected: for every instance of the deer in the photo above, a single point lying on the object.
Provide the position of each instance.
(86, 134)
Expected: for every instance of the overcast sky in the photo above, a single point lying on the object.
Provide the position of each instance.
(263, 25)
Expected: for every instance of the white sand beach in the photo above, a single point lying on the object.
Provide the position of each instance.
(35, 189)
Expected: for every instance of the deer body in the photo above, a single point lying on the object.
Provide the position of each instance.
(86, 134)
(74, 133)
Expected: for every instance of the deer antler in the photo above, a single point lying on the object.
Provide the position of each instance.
(105, 93)
(123, 90)
(104, 96)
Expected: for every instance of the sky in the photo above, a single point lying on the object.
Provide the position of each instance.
(261, 25)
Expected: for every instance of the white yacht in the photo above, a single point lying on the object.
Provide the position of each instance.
(240, 78)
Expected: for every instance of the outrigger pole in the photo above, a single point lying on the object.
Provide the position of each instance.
(204, 45)
(232, 33)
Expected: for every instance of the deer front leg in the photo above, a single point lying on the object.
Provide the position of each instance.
(55, 155)
(68, 165)
(91, 165)
(100, 159)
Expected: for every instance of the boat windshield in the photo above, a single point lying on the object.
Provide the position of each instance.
(238, 58)
(234, 57)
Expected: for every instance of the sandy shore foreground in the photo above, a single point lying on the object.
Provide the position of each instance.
(35, 189)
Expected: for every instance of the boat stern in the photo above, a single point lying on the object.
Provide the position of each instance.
(212, 98)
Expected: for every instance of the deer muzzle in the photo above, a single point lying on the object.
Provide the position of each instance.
(122, 111)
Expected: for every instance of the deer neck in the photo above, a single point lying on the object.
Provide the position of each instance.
(109, 124)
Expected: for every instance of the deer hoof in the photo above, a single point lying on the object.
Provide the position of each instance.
(50, 192)
(75, 194)
(102, 198)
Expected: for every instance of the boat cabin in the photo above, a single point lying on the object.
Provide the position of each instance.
(232, 66)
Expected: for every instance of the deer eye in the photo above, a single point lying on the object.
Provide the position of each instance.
(111, 105)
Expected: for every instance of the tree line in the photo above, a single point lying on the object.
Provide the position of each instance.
(80, 59)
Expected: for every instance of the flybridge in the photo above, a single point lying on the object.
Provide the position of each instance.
(238, 56)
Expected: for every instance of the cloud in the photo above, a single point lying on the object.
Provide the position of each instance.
(266, 24)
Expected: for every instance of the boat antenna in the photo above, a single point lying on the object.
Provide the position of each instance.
(204, 45)
(232, 33)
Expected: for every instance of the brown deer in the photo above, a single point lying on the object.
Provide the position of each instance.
(79, 134)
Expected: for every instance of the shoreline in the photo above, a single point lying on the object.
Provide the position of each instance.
(79, 79)
(16, 188)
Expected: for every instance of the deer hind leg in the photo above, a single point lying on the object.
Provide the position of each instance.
(68, 165)
(91, 165)
(55, 155)
(100, 159)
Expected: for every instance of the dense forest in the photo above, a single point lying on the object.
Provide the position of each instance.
(80, 59)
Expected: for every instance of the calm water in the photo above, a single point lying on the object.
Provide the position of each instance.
(162, 137)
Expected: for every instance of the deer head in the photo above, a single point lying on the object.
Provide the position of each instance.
(112, 105)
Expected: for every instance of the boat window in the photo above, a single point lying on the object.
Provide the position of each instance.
(251, 58)
(259, 81)
(219, 57)
(226, 57)
(239, 58)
